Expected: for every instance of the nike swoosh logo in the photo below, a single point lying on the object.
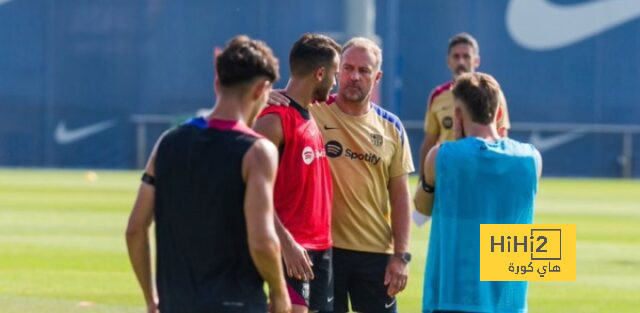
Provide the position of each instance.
(543, 25)
(548, 143)
(329, 299)
(329, 128)
(386, 306)
(65, 136)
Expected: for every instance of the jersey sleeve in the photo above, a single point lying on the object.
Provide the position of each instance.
(401, 161)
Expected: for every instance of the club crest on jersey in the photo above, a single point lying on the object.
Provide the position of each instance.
(447, 122)
(376, 139)
(308, 155)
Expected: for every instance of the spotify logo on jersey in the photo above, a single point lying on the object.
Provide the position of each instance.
(333, 148)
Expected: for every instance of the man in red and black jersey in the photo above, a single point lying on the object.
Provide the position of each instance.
(208, 187)
(303, 190)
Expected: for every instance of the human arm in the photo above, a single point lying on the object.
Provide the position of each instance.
(296, 260)
(259, 169)
(430, 140)
(137, 235)
(396, 273)
(423, 199)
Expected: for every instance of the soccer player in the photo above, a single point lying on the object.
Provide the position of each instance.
(210, 191)
(370, 161)
(463, 56)
(303, 190)
(482, 178)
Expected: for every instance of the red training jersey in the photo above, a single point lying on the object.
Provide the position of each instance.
(303, 191)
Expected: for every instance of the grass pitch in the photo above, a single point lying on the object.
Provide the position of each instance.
(62, 245)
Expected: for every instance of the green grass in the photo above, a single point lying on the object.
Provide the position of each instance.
(62, 243)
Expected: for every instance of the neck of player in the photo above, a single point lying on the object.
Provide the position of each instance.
(486, 132)
(230, 108)
(301, 91)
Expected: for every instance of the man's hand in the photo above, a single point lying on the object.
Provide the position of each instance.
(297, 261)
(279, 302)
(395, 276)
(277, 97)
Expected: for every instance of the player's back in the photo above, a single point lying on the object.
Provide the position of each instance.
(477, 182)
(203, 260)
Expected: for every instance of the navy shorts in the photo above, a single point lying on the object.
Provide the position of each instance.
(359, 279)
(316, 294)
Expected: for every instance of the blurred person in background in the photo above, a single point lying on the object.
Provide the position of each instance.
(463, 56)
(209, 189)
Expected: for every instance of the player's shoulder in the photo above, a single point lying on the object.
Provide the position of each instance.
(385, 114)
(455, 147)
(527, 151)
(276, 109)
(264, 145)
(175, 137)
(439, 90)
(388, 119)
(271, 116)
(522, 148)
(189, 126)
(262, 150)
(261, 157)
(196, 121)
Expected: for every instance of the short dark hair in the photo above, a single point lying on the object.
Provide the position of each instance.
(480, 93)
(466, 39)
(244, 59)
(310, 52)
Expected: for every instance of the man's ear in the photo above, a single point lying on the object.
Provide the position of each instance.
(378, 77)
(320, 73)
